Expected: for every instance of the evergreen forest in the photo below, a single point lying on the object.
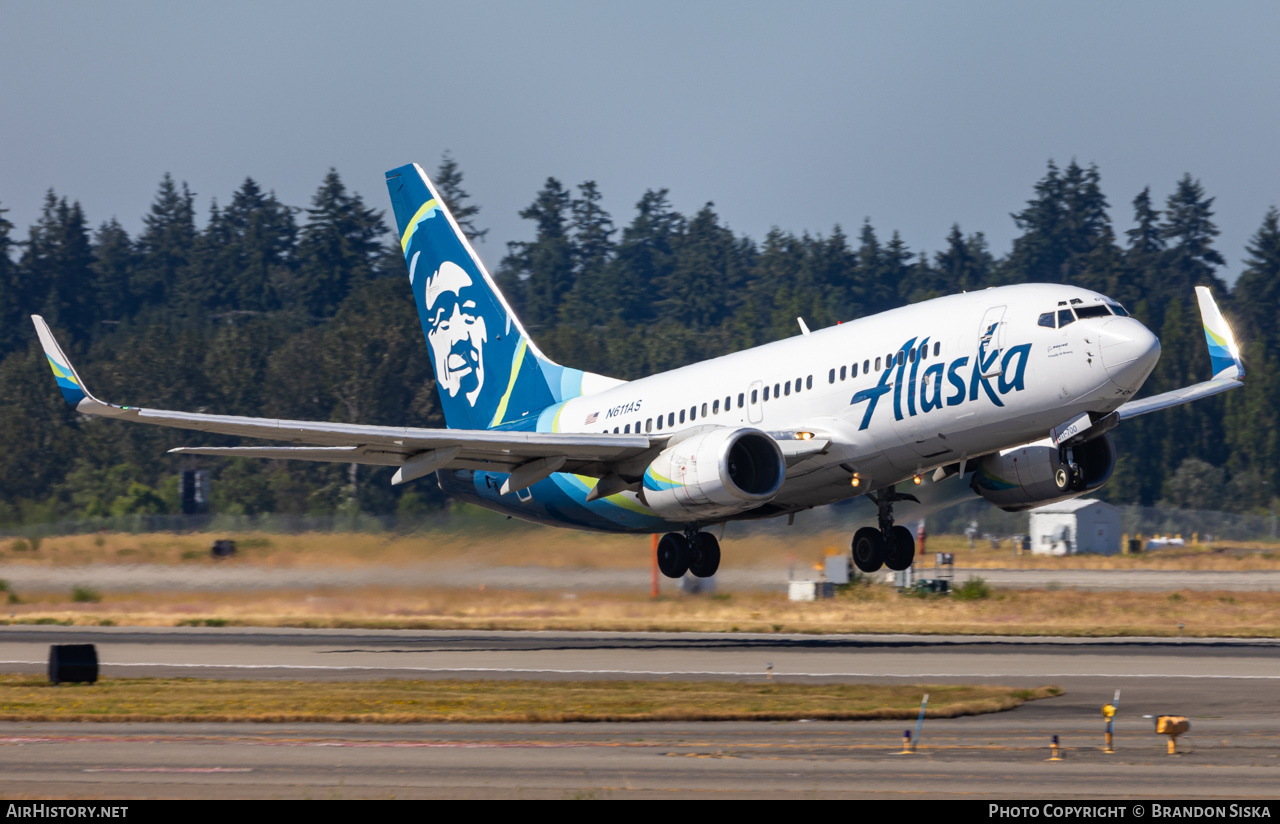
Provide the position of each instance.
(268, 309)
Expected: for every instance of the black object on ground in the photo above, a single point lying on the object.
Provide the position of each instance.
(73, 663)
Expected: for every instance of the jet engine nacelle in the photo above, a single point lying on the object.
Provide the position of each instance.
(1036, 474)
(714, 474)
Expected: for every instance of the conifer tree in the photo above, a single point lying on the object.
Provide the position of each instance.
(704, 286)
(244, 257)
(1145, 237)
(11, 307)
(263, 234)
(831, 267)
(1256, 303)
(1189, 230)
(203, 284)
(1038, 252)
(1144, 254)
(541, 271)
(1067, 236)
(774, 299)
(57, 268)
(965, 265)
(588, 302)
(165, 245)
(338, 247)
(646, 256)
(448, 182)
(113, 265)
(882, 279)
(896, 267)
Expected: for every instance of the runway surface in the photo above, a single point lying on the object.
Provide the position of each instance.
(324, 654)
(233, 577)
(1230, 690)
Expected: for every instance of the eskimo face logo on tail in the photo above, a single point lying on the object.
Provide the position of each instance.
(456, 331)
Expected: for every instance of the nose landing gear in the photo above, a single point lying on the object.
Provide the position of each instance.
(694, 551)
(891, 546)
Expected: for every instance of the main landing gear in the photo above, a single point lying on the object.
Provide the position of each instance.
(891, 546)
(694, 551)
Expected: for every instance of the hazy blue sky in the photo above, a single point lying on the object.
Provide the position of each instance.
(800, 115)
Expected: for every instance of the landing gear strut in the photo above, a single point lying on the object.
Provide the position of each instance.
(1069, 474)
(694, 551)
(891, 546)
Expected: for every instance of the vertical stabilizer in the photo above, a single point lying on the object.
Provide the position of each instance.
(488, 371)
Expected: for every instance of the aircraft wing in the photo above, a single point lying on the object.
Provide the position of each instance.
(416, 451)
(1177, 397)
(1224, 354)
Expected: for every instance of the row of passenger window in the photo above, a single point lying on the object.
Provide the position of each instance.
(889, 361)
(690, 415)
(671, 419)
(779, 390)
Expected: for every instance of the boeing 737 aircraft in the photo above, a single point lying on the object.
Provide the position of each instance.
(1014, 388)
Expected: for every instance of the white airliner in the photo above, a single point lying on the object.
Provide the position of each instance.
(1014, 388)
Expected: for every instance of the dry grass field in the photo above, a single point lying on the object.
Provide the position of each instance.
(860, 608)
(28, 698)
(524, 545)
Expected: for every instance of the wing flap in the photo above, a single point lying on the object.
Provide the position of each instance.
(335, 454)
(499, 444)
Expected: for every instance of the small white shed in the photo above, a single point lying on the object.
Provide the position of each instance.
(1068, 527)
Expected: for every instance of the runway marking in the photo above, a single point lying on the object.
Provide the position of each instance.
(171, 769)
(751, 673)
(457, 745)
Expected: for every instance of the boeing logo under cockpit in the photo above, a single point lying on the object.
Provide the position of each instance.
(923, 391)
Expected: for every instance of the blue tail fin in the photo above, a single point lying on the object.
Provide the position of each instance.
(488, 372)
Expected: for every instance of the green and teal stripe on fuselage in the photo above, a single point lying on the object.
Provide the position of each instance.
(560, 500)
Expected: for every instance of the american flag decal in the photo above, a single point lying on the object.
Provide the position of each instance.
(591, 418)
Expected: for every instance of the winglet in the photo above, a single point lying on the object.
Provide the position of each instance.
(1223, 352)
(73, 389)
(68, 381)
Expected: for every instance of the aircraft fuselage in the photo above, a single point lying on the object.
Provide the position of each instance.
(899, 393)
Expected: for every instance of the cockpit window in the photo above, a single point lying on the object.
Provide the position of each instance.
(1118, 309)
(1065, 317)
(1095, 311)
(1046, 320)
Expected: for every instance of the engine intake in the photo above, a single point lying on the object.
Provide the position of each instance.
(1036, 474)
(714, 474)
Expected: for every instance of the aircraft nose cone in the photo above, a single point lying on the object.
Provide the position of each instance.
(1129, 351)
